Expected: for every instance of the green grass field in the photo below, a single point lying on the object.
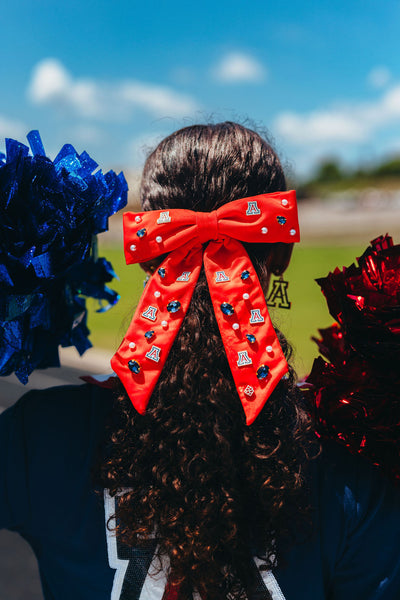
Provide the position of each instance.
(307, 314)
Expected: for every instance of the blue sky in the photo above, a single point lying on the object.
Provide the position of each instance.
(115, 77)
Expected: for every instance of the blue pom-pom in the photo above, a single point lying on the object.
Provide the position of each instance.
(50, 213)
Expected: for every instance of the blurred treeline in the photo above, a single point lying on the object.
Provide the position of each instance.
(331, 176)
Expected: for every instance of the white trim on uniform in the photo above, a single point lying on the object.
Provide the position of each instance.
(269, 581)
(156, 579)
(120, 565)
(155, 582)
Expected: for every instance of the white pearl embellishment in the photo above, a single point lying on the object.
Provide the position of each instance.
(235, 326)
(159, 239)
(285, 202)
(264, 230)
(246, 296)
(132, 345)
(133, 247)
(269, 349)
(138, 219)
(164, 324)
(292, 232)
(157, 294)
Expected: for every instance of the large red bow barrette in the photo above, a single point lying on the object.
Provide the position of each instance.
(254, 353)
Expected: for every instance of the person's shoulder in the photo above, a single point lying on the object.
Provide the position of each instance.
(353, 483)
(337, 463)
(66, 398)
(66, 409)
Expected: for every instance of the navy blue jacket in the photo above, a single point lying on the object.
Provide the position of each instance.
(48, 442)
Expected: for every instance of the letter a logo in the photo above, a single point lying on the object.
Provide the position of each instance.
(278, 295)
(164, 218)
(256, 316)
(154, 353)
(252, 208)
(243, 359)
(150, 313)
(184, 276)
(221, 276)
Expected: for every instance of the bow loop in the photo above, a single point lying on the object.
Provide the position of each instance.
(207, 226)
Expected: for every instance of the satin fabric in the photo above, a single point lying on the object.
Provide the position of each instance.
(191, 239)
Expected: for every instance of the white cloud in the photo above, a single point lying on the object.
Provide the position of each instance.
(379, 77)
(157, 99)
(237, 67)
(51, 84)
(349, 124)
(49, 80)
(319, 126)
(11, 128)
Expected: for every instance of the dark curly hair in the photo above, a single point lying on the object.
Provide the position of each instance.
(215, 491)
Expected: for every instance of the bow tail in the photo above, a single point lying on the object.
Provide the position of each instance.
(251, 344)
(141, 356)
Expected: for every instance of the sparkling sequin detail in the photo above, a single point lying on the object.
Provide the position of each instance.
(251, 338)
(134, 366)
(173, 306)
(149, 334)
(262, 371)
(161, 272)
(281, 220)
(245, 275)
(227, 308)
(141, 232)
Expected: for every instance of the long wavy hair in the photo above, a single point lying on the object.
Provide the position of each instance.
(213, 490)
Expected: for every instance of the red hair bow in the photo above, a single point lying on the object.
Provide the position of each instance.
(254, 354)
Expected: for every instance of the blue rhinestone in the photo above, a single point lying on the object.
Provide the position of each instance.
(262, 371)
(149, 334)
(251, 338)
(141, 233)
(173, 306)
(281, 220)
(161, 272)
(134, 366)
(245, 275)
(227, 309)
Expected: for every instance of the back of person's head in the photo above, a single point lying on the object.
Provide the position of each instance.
(212, 488)
(202, 167)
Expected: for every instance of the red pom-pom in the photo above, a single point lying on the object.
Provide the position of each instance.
(355, 397)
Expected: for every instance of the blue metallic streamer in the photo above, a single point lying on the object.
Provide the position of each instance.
(50, 213)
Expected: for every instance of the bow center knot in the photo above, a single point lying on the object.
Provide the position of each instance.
(207, 226)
